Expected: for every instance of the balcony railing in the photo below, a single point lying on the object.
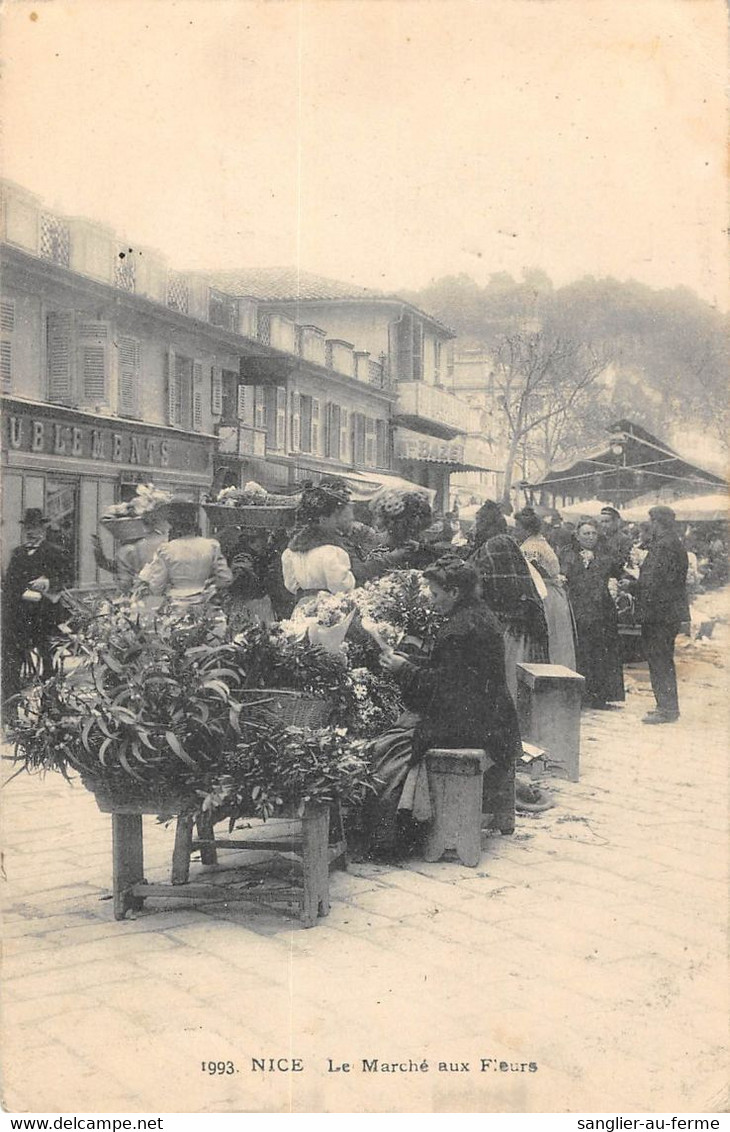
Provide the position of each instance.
(241, 440)
(437, 406)
(55, 239)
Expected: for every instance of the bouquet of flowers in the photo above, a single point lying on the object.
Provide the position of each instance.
(399, 606)
(368, 703)
(324, 620)
(396, 505)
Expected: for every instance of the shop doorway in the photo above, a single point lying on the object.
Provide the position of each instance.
(62, 508)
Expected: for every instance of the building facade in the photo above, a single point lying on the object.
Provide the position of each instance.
(117, 370)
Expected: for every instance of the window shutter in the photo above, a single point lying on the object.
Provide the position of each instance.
(344, 437)
(216, 391)
(246, 404)
(7, 316)
(6, 364)
(316, 450)
(60, 357)
(128, 377)
(197, 396)
(370, 442)
(7, 326)
(417, 350)
(296, 422)
(259, 406)
(93, 367)
(381, 444)
(174, 392)
(281, 417)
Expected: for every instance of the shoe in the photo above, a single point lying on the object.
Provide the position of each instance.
(660, 717)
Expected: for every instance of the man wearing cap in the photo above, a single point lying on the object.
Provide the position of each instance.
(661, 607)
(30, 613)
(616, 542)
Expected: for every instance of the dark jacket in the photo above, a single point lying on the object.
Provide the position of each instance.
(34, 621)
(461, 694)
(588, 585)
(661, 590)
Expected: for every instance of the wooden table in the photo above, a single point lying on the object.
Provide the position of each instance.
(309, 845)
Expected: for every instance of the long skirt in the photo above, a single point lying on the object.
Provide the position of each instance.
(394, 818)
(559, 617)
(598, 659)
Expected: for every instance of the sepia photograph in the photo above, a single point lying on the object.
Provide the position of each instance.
(365, 583)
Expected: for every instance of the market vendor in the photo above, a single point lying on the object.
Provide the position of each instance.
(133, 554)
(316, 559)
(461, 699)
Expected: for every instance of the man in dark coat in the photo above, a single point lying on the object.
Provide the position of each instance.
(30, 611)
(661, 607)
(614, 539)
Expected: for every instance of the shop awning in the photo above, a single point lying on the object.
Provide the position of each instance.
(462, 454)
(366, 485)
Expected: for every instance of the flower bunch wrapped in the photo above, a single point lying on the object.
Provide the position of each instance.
(399, 606)
(147, 498)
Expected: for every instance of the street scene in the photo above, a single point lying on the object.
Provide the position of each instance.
(365, 620)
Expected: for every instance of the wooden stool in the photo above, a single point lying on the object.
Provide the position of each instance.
(309, 844)
(456, 780)
(548, 707)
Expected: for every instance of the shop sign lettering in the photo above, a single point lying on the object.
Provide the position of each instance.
(84, 443)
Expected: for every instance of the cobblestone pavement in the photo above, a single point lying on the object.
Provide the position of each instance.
(591, 943)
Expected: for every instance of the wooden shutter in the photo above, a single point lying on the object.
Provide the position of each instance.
(245, 406)
(174, 392)
(7, 326)
(7, 316)
(316, 433)
(381, 444)
(259, 406)
(93, 362)
(344, 437)
(281, 417)
(60, 355)
(335, 441)
(128, 371)
(370, 460)
(216, 391)
(197, 396)
(296, 422)
(305, 423)
(417, 350)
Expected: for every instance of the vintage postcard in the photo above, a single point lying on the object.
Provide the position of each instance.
(365, 557)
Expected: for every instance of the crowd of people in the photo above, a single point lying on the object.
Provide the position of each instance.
(526, 592)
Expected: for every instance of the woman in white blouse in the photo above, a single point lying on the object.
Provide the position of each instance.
(316, 559)
(188, 567)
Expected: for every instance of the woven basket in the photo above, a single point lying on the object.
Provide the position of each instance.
(125, 529)
(293, 709)
(265, 518)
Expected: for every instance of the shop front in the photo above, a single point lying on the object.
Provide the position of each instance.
(74, 465)
(428, 461)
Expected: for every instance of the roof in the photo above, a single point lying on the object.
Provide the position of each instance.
(290, 285)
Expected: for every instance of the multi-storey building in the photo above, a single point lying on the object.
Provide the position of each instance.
(472, 379)
(383, 341)
(117, 370)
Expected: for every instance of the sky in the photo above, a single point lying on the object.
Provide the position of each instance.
(385, 142)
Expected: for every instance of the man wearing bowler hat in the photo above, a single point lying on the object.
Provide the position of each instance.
(661, 608)
(37, 570)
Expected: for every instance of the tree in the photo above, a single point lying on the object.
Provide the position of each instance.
(542, 384)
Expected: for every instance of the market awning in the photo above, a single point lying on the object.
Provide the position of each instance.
(711, 508)
(366, 485)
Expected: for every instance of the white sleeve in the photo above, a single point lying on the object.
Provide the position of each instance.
(291, 581)
(338, 576)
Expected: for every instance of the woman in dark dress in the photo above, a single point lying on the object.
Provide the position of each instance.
(587, 569)
(460, 698)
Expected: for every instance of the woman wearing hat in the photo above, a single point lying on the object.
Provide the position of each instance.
(37, 570)
(316, 559)
(187, 568)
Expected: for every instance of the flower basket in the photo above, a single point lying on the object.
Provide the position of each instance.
(293, 709)
(268, 517)
(125, 529)
(130, 798)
